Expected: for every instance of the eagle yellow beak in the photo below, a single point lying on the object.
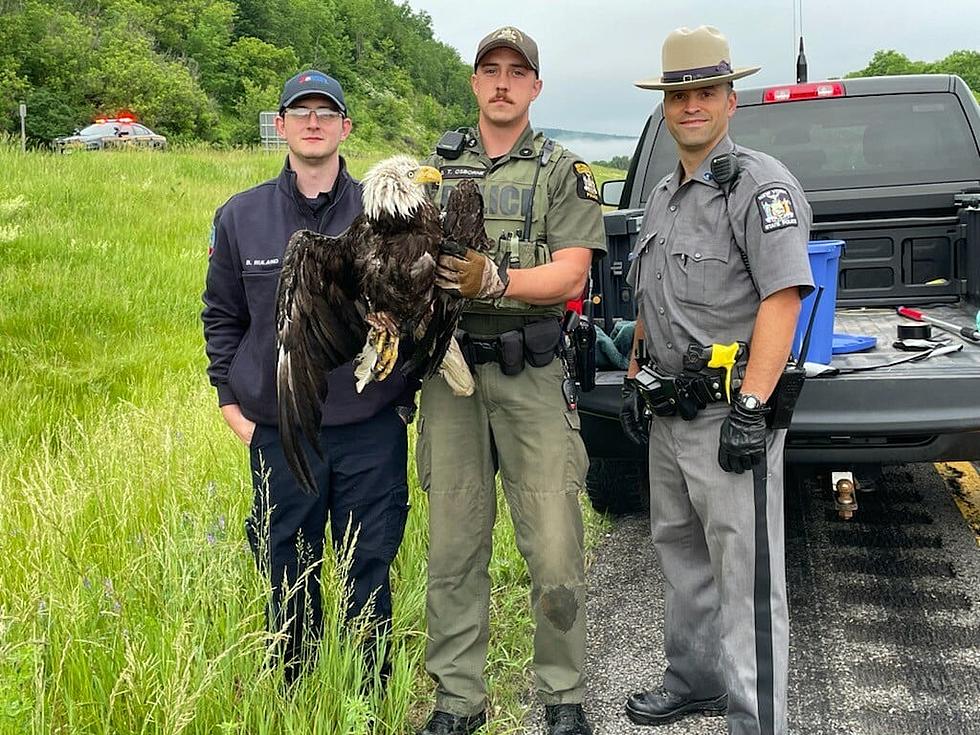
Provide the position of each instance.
(427, 175)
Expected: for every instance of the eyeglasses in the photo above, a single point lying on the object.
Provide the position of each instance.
(323, 114)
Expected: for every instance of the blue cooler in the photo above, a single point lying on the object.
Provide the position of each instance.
(824, 259)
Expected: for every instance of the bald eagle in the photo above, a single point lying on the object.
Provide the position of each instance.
(355, 296)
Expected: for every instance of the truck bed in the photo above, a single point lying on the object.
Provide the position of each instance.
(882, 323)
(919, 411)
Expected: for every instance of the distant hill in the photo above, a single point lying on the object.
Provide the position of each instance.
(579, 134)
(600, 148)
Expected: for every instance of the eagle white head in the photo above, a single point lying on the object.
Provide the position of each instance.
(395, 187)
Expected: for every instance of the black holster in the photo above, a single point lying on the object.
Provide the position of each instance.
(782, 402)
(582, 340)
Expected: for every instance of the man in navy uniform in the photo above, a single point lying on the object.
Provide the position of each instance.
(361, 479)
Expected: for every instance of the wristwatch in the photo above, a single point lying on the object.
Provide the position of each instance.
(749, 401)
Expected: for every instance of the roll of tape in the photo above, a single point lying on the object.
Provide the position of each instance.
(914, 331)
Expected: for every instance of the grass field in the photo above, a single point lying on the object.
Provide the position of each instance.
(128, 599)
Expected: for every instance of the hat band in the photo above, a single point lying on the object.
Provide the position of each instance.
(690, 75)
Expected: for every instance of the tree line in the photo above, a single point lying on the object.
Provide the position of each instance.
(204, 69)
(965, 64)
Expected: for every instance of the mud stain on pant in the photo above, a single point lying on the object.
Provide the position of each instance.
(560, 607)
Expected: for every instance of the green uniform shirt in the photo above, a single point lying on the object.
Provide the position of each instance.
(565, 213)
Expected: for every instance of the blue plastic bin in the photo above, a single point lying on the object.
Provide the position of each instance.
(824, 259)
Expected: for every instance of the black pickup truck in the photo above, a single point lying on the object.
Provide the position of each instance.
(891, 166)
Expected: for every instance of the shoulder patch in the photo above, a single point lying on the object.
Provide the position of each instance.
(211, 239)
(462, 172)
(776, 209)
(585, 182)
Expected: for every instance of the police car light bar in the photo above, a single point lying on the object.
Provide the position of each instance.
(812, 91)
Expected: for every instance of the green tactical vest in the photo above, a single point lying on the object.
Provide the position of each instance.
(507, 193)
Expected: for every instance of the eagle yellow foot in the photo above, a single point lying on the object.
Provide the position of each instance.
(377, 359)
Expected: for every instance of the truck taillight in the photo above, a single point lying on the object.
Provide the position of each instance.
(812, 91)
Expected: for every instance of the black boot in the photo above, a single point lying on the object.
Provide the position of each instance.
(659, 707)
(566, 719)
(443, 723)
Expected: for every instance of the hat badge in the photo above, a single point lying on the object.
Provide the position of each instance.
(508, 34)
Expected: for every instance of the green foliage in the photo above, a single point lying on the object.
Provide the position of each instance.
(191, 68)
(965, 64)
(619, 162)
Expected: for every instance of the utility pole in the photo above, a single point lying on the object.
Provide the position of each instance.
(23, 130)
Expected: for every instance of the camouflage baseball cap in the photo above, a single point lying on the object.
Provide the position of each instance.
(512, 38)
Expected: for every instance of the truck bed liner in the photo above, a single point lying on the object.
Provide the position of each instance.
(882, 322)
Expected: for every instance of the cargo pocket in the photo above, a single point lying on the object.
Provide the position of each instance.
(577, 462)
(397, 516)
(423, 456)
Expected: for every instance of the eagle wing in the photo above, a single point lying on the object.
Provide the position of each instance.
(319, 325)
(463, 225)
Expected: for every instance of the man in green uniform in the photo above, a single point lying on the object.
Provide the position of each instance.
(542, 210)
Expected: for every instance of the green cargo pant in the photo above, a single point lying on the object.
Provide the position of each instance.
(521, 426)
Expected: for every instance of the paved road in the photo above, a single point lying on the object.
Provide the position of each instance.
(884, 616)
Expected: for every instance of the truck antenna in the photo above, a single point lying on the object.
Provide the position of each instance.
(801, 65)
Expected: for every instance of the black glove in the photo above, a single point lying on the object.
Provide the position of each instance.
(633, 414)
(742, 442)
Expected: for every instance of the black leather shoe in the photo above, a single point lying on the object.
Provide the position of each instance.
(660, 707)
(566, 719)
(443, 723)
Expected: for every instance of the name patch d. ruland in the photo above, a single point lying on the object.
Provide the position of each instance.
(776, 209)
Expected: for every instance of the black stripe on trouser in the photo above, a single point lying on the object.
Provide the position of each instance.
(763, 601)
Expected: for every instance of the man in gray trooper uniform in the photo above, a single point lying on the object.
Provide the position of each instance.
(542, 210)
(716, 263)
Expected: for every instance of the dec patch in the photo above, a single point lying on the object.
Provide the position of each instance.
(776, 209)
(585, 182)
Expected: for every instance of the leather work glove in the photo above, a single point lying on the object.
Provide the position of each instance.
(633, 414)
(472, 276)
(742, 441)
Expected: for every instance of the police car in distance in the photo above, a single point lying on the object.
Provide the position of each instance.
(106, 133)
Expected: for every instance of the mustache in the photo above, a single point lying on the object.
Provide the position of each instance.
(502, 98)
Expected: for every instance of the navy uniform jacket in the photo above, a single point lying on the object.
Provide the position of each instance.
(248, 240)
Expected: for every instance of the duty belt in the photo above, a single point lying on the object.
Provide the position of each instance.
(535, 344)
(684, 394)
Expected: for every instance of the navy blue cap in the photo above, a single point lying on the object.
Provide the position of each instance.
(312, 82)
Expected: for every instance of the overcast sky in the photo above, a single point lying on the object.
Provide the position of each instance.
(590, 58)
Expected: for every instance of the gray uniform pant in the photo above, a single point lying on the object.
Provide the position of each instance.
(521, 426)
(720, 545)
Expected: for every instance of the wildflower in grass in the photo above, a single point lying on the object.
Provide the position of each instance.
(9, 233)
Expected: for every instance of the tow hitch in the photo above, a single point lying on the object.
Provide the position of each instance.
(845, 494)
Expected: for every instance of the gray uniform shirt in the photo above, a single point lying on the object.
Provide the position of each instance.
(690, 282)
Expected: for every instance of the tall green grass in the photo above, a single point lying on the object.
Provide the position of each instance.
(129, 602)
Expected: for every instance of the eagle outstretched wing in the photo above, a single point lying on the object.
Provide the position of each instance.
(320, 325)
